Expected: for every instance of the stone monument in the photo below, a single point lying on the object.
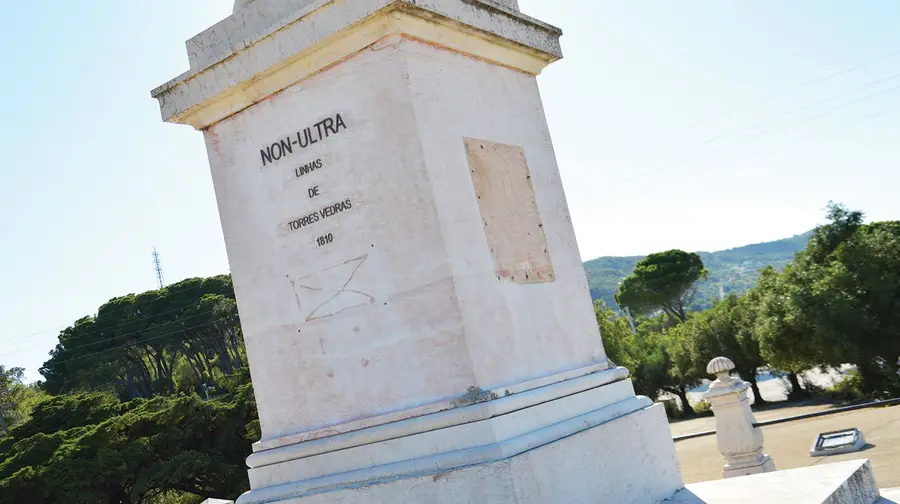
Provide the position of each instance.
(415, 310)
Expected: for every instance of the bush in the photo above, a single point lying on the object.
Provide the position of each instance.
(703, 407)
(848, 388)
(673, 411)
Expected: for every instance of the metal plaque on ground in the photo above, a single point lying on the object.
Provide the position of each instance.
(837, 442)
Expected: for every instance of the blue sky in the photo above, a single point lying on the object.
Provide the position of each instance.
(682, 124)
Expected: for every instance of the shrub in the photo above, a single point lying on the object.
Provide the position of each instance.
(848, 388)
(673, 411)
(703, 407)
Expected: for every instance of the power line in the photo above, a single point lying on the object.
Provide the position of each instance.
(758, 135)
(816, 135)
(139, 343)
(138, 319)
(113, 337)
(805, 107)
(790, 111)
(802, 85)
(119, 312)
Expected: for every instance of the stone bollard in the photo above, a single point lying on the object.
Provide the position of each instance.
(739, 441)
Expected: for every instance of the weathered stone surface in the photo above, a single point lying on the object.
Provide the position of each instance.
(889, 496)
(842, 483)
(406, 298)
(272, 44)
(625, 461)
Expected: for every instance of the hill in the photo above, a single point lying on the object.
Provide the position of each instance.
(733, 270)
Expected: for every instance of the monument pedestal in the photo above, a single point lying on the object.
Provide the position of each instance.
(545, 445)
(415, 310)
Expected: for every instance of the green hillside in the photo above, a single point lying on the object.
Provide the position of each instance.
(733, 270)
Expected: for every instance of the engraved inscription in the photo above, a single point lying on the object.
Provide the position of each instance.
(324, 240)
(309, 167)
(293, 144)
(311, 135)
(317, 216)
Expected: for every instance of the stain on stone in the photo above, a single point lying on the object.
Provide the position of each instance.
(356, 329)
(440, 475)
(322, 345)
(330, 373)
(364, 363)
(473, 395)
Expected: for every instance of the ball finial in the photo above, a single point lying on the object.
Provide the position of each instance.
(720, 366)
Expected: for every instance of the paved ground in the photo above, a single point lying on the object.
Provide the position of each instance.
(789, 443)
(679, 428)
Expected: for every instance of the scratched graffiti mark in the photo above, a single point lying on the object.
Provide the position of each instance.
(296, 296)
(334, 282)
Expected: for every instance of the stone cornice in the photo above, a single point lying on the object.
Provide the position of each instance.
(272, 44)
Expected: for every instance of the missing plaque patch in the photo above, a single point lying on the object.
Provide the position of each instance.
(509, 212)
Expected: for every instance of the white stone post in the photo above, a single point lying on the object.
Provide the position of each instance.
(739, 441)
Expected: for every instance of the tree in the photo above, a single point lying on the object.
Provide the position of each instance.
(618, 340)
(842, 225)
(657, 359)
(782, 329)
(10, 380)
(92, 448)
(665, 281)
(641, 353)
(135, 343)
(682, 372)
(839, 302)
(728, 329)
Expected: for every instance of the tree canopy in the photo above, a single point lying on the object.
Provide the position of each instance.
(662, 281)
(93, 449)
(839, 302)
(137, 345)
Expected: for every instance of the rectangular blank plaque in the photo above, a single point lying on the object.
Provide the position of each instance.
(509, 212)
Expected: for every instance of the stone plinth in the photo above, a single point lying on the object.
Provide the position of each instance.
(889, 496)
(740, 442)
(850, 482)
(411, 293)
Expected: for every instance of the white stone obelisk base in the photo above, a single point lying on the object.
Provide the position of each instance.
(739, 441)
(417, 318)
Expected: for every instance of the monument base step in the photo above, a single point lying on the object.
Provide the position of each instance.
(889, 496)
(628, 460)
(850, 482)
